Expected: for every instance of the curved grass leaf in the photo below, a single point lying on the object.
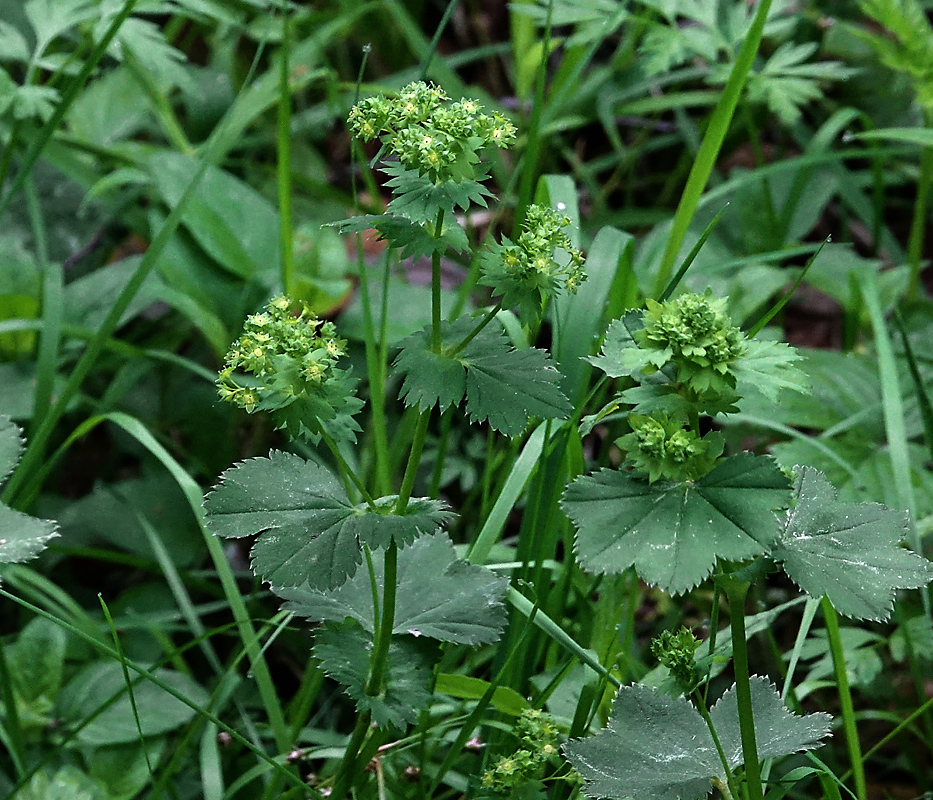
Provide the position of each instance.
(309, 531)
(656, 747)
(438, 596)
(849, 552)
(503, 386)
(673, 533)
(344, 650)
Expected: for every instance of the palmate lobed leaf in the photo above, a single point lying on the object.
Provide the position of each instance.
(22, 537)
(503, 386)
(438, 596)
(673, 533)
(344, 652)
(768, 368)
(656, 747)
(309, 531)
(849, 552)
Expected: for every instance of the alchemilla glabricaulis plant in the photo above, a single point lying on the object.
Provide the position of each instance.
(382, 580)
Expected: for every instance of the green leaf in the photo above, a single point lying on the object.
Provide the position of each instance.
(430, 378)
(849, 552)
(419, 199)
(620, 354)
(502, 385)
(465, 687)
(159, 712)
(68, 783)
(673, 533)
(51, 18)
(37, 660)
(413, 239)
(309, 531)
(768, 367)
(124, 768)
(778, 732)
(438, 596)
(344, 650)
(656, 747)
(11, 446)
(21, 537)
(234, 224)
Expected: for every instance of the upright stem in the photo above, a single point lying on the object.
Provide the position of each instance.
(704, 712)
(736, 591)
(845, 697)
(436, 285)
(918, 223)
(284, 156)
(490, 315)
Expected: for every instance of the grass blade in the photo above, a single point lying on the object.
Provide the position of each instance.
(711, 145)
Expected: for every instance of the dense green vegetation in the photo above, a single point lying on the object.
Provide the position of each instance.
(427, 399)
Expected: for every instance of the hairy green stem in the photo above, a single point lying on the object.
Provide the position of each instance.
(490, 315)
(919, 222)
(436, 285)
(414, 459)
(736, 591)
(284, 156)
(845, 697)
(346, 471)
(704, 712)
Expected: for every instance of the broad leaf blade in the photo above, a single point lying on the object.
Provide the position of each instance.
(309, 532)
(438, 596)
(508, 387)
(344, 655)
(673, 533)
(655, 747)
(432, 378)
(21, 537)
(768, 367)
(849, 552)
(778, 732)
(11, 446)
(620, 354)
(300, 512)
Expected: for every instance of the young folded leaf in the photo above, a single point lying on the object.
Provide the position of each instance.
(309, 531)
(849, 552)
(656, 747)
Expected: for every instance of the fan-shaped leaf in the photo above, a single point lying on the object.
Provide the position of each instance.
(437, 596)
(344, 654)
(849, 552)
(656, 747)
(309, 530)
(673, 533)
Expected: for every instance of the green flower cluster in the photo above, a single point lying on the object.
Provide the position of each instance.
(540, 736)
(285, 361)
(676, 652)
(662, 447)
(430, 134)
(533, 269)
(694, 332)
